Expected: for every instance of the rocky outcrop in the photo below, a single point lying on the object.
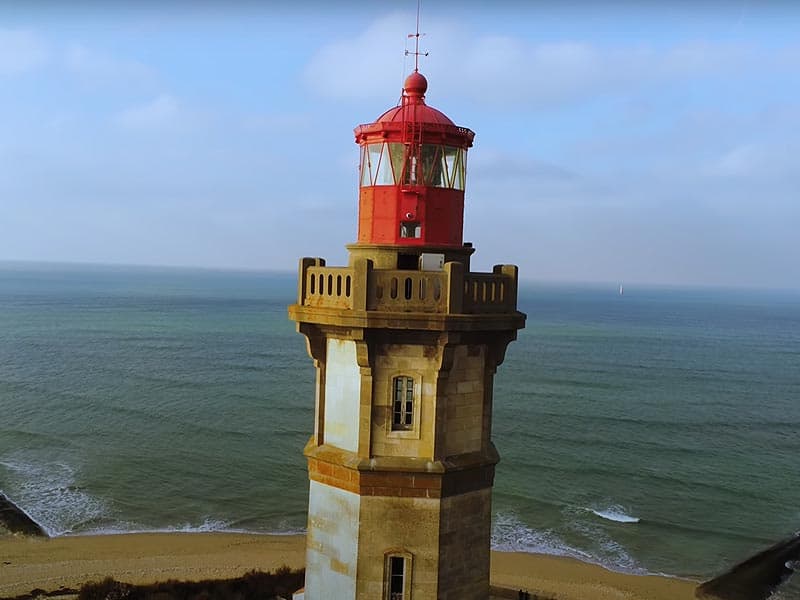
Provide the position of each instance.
(16, 520)
(757, 577)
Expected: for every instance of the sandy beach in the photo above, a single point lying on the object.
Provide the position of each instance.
(28, 563)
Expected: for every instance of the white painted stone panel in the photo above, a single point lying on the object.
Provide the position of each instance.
(332, 543)
(342, 395)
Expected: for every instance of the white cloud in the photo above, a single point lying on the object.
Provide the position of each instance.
(503, 70)
(490, 68)
(701, 58)
(159, 112)
(492, 165)
(277, 123)
(757, 161)
(499, 70)
(20, 51)
(359, 67)
(97, 67)
(743, 160)
(553, 73)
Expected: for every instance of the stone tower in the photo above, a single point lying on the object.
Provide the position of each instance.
(406, 340)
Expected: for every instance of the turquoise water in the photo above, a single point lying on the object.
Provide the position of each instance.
(656, 431)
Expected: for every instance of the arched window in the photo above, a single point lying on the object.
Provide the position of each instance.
(397, 576)
(402, 403)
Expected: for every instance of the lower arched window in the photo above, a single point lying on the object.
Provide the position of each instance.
(397, 576)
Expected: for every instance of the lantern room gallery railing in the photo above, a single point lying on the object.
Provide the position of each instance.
(450, 291)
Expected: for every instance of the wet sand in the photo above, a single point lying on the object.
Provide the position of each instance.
(27, 563)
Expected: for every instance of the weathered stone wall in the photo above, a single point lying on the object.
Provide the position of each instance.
(409, 525)
(464, 537)
(331, 543)
(464, 392)
(421, 363)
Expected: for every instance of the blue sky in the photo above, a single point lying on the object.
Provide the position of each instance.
(616, 141)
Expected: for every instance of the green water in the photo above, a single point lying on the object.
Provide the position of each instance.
(658, 431)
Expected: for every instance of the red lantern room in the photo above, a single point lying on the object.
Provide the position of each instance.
(412, 174)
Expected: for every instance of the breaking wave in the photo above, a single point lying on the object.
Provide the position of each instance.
(47, 492)
(614, 513)
(510, 534)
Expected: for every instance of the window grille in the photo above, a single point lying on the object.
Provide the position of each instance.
(403, 403)
(412, 164)
(397, 576)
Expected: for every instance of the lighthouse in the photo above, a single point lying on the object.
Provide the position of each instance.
(406, 340)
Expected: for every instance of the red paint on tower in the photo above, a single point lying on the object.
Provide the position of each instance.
(412, 174)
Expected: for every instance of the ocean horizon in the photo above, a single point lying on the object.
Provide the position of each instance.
(656, 431)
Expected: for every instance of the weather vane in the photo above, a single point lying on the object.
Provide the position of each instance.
(416, 37)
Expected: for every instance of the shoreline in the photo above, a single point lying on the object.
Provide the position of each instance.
(70, 561)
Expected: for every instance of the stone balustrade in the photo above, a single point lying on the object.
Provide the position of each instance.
(330, 287)
(449, 291)
(491, 292)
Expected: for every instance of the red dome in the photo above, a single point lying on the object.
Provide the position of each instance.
(413, 106)
(422, 114)
(430, 125)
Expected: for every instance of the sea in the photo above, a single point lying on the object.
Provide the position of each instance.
(657, 431)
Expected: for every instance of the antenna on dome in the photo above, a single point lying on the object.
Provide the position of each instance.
(416, 37)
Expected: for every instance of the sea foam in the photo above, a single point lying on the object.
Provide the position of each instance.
(510, 534)
(614, 513)
(46, 491)
(612, 552)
